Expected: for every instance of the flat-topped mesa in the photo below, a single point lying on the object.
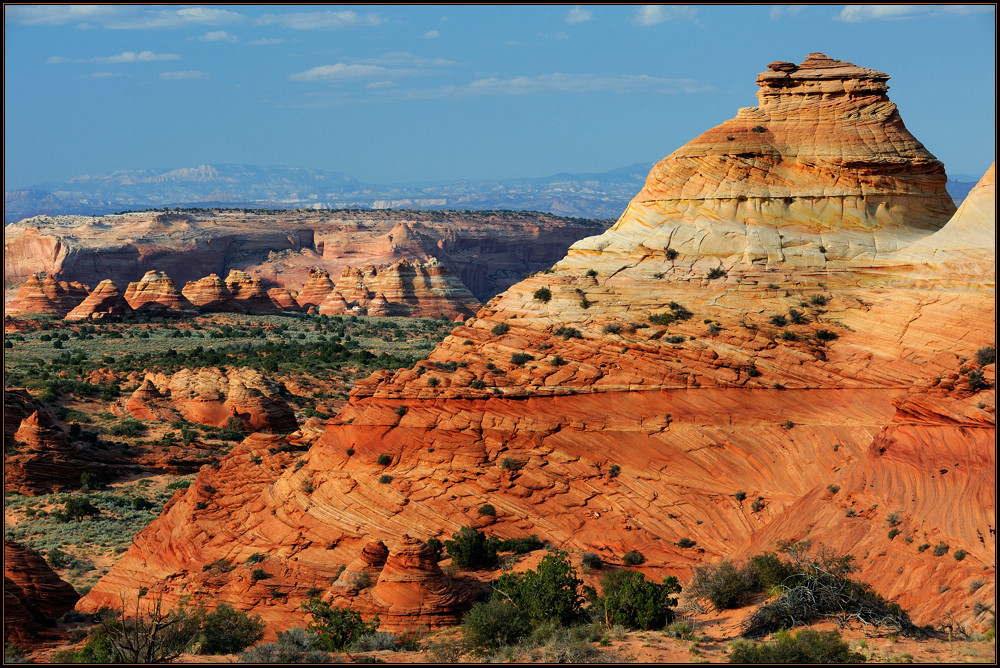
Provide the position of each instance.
(824, 160)
(45, 295)
(414, 289)
(155, 293)
(104, 303)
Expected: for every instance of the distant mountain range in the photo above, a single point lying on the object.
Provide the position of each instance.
(589, 195)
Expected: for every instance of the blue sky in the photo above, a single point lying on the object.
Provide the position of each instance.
(392, 94)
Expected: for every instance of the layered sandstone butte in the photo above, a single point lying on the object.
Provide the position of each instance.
(211, 295)
(284, 298)
(250, 294)
(213, 397)
(753, 323)
(156, 294)
(34, 596)
(317, 288)
(422, 290)
(106, 302)
(45, 295)
(487, 251)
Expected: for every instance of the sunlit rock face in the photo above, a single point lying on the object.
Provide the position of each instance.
(769, 316)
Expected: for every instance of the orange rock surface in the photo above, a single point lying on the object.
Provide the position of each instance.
(250, 294)
(210, 396)
(211, 295)
(106, 302)
(756, 321)
(284, 298)
(31, 590)
(155, 293)
(316, 289)
(423, 290)
(46, 295)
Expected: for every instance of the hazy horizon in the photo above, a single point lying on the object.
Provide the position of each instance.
(400, 94)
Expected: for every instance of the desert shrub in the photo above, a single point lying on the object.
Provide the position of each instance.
(685, 543)
(826, 335)
(723, 584)
(375, 642)
(568, 332)
(768, 570)
(498, 623)
(384, 460)
(758, 504)
(614, 470)
(337, 627)
(385, 479)
(923, 547)
(740, 496)
(259, 574)
(672, 254)
(893, 533)
(433, 381)
(296, 645)
(543, 295)
(127, 427)
(256, 558)
(521, 545)
(437, 547)
(613, 328)
(500, 328)
(833, 489)
(633, 558)
(227, 631)
(818, 300)
(797, 317)
(76, 508)
(779, 320)
(520, 359)
(789, 336)
(401, 410)
(807, 646)
(977, 381)
(487, 509)
(629, 600)
(716, 272)
(959, 554)
(986, 355)
(511, 464)
(477, 384)
(758, 128)
(662, 318)
(470, 548)
(592, 560)
(548, 593)
(821, 588)
(940, 549)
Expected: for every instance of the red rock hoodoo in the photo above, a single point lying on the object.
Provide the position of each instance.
(317, 288)
(33, 594)
(104, 303)
(763, 318)
(155, 293)
(45, 295)
(211, 295)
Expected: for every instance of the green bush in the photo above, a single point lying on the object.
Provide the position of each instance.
(500, 328)
(940, 549)
(385, 479)
(470, 548)
(633, 558)
(127, 427)
(768, 570)
(716, 272)
(296, 645)
(723, 584)
(807, 646)
(520, 359)
(492, 625)
(685, 543)
(337, 627)
(549, 593)
(522, 545)
(76, 508)
(543, 295)
(740, 496)
(629, 600)
(959, 555)
(986, 355)
(826, 335)
(227, 631)
(592, 560)
(477, 384)
(487, 509)
(384, 460)
(568, 332)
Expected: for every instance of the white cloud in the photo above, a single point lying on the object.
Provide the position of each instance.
(55, 15)
(267, 40)
(381, 84)
(651, 15)
(780, 11)
(99, 75)
(432, 34)
(184, 75)
(327, 20)
(55, 60)
(399, 58)
(861, 13)
(343, 71)
(217, 36)
(583, 83)
(579, 15)
(132, 57)
(176, 18)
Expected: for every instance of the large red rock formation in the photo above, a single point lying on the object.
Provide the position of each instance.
(106, 302)
(250, 294)
(284, 298)
(404, 289)
(210, 396)
(317, 288)
(156, 294)
(211, 295)
(744, 327)
(46, 295)
(34, 596)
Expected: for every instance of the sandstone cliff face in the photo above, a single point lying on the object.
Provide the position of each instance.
(421, 290)
(106, 302)
(156, 294)
(213, 397)
(34, 596)
(250, 294)
(316, 289)
(488, 251)
(211, 295)
(730, 333)
(45, 295)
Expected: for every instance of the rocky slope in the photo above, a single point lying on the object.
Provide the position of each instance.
(753, 323)
(489, 251)
(34, 596)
